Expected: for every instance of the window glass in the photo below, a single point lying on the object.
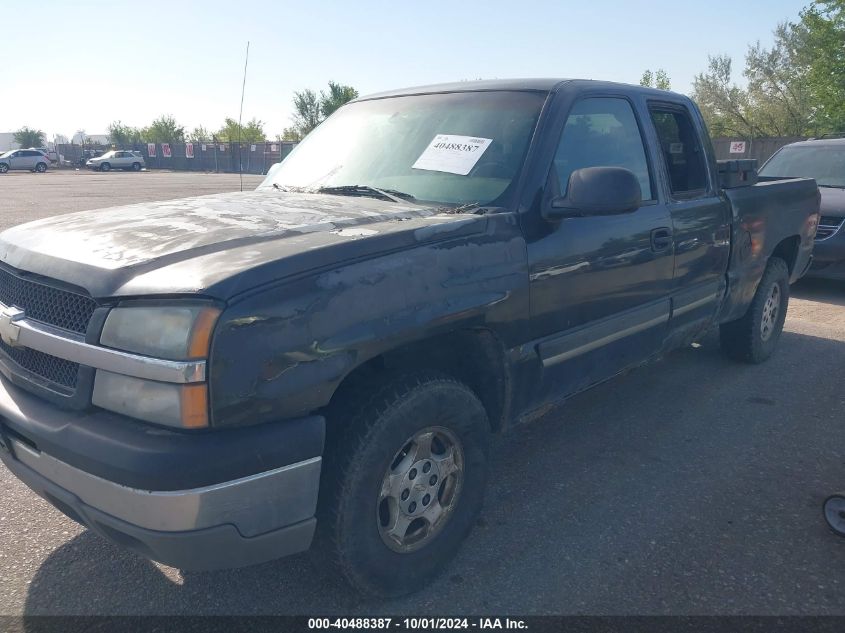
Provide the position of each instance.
(602, 132)
(382, 143)
(681, 149)
(825, 163)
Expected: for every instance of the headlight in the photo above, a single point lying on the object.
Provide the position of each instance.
(178, 333)
(183, 406)
(170, 332)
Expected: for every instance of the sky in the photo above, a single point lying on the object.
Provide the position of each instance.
(81, 64)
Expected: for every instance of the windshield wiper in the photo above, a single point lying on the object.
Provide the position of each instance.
(367, 190)
(833, 186)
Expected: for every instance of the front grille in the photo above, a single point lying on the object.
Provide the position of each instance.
(828, 226)
(54, 306)
(57, 370)
(64, 309)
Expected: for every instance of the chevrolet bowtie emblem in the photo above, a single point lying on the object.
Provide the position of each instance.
(9, 330)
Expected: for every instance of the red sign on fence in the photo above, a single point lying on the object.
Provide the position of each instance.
(151, 150)
(189, 150)
(165, 150)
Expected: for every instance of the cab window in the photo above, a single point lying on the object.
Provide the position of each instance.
(602, 132)
(682, 151)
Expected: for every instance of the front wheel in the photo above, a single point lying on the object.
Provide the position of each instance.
(753, 338)
(3, 168)
(41, 168)
(136, 166)
(105, 167)
(406, 471)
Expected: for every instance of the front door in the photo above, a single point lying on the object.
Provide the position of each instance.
(600, 284)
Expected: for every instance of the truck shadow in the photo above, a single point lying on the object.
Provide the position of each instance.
(821, 290)
(689, 486)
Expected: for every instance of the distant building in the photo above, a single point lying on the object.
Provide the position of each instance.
(7, 141)
(94, 139)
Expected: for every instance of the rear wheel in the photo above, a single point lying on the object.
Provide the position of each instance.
(404, 481)
(753, 338)
(41, 168)
(105, 167)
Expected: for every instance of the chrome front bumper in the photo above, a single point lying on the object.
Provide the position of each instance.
(236, 523)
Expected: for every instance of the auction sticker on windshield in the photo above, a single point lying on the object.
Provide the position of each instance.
(452, 153)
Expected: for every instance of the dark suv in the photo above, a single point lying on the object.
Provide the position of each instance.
(824, 160)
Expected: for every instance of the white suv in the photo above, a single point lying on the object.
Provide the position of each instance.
(30, 159)
(117, 159)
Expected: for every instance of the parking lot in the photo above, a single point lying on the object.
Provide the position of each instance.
(690, 486)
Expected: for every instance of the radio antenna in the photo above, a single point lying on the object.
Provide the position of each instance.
(240, 118)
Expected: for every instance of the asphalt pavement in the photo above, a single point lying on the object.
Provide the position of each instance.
(689, 486)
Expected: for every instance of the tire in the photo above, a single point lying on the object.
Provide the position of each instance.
(105, 167)
(380, 490)
(136, 166)
(834, 513)
(3, 168)
(41, 168)
(754, 337)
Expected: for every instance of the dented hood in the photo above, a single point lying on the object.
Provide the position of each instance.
(207, 244)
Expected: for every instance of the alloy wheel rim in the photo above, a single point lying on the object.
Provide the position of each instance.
(771, 309)
(420, 489)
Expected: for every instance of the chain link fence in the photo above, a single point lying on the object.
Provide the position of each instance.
(253, 158)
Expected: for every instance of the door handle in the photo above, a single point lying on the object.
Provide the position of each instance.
(661, 239)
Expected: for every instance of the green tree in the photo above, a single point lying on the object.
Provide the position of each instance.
(822, 28)
(28, 137)
(290, 134)
(164, 129)
(337, 95)
(659, 79)
(778, 85)
(724, 105)
(251, 132)
(120, 134)
(306, 114)
(199, 134)
(309, 109)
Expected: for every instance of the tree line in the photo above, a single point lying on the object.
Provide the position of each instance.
(309, 111)
(794, 88)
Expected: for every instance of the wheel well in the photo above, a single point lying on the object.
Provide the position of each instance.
(474, 356)
(787, 250)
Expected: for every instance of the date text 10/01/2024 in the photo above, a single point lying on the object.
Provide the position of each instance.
(417, 623)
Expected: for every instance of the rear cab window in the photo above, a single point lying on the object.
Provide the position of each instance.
(681, 149)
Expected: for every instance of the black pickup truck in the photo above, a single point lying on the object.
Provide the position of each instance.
(220, 380)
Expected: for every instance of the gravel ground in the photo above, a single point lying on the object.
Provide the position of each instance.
(690, 486)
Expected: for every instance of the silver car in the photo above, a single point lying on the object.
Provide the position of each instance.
(117, 159)
(30, 159)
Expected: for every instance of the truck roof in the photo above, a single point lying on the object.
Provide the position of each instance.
(536, 84)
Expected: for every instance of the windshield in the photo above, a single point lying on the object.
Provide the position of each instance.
(6, 153)
(824, 163)
(452, 149)
(109, 154)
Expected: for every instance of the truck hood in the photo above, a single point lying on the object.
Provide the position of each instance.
(833, 201)
(206, 244)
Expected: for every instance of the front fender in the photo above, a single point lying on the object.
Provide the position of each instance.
(283, 351)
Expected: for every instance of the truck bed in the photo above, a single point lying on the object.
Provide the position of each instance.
(768, 216)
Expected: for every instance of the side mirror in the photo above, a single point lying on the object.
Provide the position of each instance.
(597, 191)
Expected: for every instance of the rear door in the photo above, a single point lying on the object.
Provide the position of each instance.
(31, 158)
(600, 284)
(700, 215)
